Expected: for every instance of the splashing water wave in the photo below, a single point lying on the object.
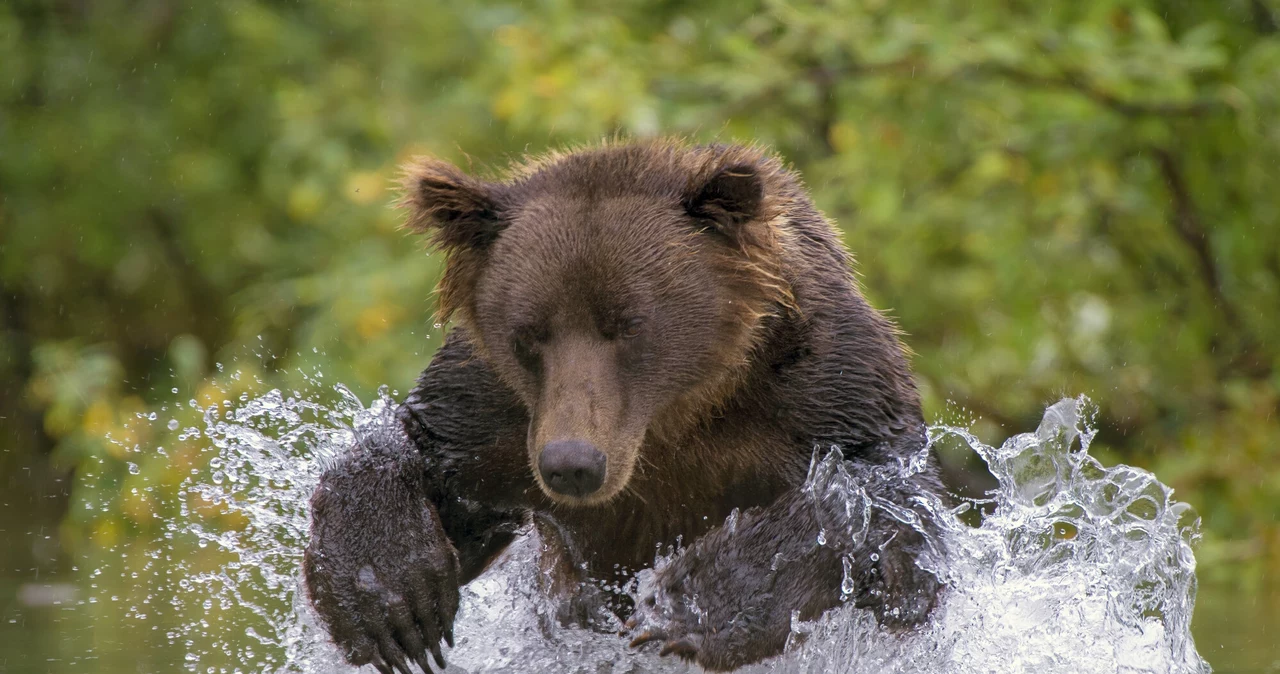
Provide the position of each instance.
(1075, 568)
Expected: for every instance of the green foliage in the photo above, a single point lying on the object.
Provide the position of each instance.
(1051, 197)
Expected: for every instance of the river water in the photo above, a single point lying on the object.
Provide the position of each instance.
(1077, 567)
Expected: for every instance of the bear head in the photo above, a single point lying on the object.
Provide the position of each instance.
(619, 290)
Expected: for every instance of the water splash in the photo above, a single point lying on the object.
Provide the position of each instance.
(1080, 568)
(1077, 568)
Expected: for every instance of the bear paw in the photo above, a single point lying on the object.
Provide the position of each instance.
(679, 635)
(708, 618)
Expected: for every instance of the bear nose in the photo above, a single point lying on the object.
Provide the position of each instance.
(572, 467)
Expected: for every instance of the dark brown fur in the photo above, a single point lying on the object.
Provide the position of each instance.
(753, 348)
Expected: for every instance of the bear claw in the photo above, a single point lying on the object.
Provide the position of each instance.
(647, 636)
(683, 648)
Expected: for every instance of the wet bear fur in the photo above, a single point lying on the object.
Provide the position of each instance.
(686, 311)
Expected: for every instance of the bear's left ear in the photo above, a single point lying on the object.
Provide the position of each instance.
(458, 211)
(732, 197)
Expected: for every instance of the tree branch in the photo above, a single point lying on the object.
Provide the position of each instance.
(1186, 220)
(1072, 81)
(826, 77)
(1250, 359)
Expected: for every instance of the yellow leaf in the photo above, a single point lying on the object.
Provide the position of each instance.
(1046, 185)
(547, 86)
(507, 104)
(844, 136)
(305, 201)
(375, 320)
(98, 419)
(105, 533)
(509, 35)
(365, 187)
(209, 394)
(990, 167)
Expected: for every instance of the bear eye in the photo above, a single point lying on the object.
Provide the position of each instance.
(524, 344)
(631, 327)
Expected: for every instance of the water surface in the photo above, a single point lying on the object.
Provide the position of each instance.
(1082, 568)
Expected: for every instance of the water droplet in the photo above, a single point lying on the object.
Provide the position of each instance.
(173, 424)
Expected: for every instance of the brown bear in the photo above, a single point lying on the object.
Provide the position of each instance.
(649, 335)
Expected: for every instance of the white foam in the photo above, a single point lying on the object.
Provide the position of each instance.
(1080, 569)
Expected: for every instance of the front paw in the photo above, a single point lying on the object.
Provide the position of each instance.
(720, 621)
(391, 610)
(667, 613)
(381, 573)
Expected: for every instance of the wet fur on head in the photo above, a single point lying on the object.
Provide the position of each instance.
(464, 215)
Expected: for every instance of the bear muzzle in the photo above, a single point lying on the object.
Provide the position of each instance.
(572, 467)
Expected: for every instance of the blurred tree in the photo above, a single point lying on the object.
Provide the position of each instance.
(1052, 197)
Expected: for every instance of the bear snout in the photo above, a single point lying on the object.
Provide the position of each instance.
(572, 467)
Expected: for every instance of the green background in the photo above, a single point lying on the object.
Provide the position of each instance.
(1052, 197)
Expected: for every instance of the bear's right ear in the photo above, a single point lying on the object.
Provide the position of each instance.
(728, 199)
(458, 211)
